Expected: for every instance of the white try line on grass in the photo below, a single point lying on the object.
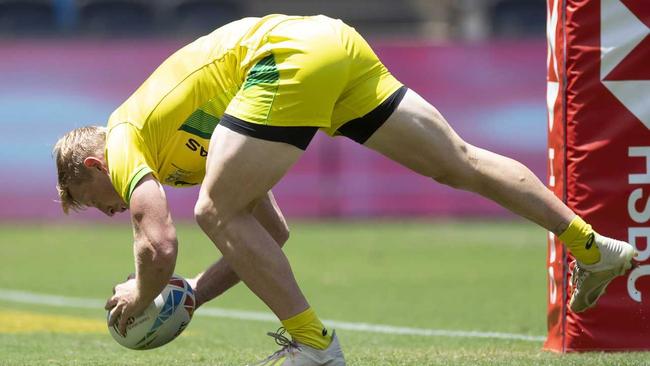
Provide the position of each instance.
(77, 302)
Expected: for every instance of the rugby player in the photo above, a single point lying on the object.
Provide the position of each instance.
(233, 111)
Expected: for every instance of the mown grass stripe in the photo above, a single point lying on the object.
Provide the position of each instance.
(76, 302)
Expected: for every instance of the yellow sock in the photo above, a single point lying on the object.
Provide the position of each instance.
(579, 238)
(307, 329)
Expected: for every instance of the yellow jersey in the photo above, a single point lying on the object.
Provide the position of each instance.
(277, 70)
(164, 128)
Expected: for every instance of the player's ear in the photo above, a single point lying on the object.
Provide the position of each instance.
(93, 162)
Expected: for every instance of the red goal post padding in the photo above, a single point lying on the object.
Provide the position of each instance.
(599, 161)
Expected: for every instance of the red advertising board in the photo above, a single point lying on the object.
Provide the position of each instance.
(598, 96)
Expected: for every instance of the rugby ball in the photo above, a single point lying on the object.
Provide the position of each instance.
(162, 321)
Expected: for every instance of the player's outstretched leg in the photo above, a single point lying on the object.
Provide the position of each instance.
(240, 170)
(418, 137)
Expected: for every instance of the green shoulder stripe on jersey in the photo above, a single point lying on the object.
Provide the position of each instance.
(142, 171)
(201, 124)
(265, 71)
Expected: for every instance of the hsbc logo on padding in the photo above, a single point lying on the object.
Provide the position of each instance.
(625, 72)
(625, 54)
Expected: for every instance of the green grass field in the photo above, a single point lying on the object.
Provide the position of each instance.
(463, 276)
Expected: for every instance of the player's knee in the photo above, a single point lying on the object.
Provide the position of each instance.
(207, 215)
(203, 211)
(457, 171)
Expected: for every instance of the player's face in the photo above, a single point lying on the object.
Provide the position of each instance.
(98, 192)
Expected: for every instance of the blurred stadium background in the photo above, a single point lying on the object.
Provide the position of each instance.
(67, 63)
(439, 19)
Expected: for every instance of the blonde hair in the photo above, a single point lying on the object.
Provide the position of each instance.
(70, 152)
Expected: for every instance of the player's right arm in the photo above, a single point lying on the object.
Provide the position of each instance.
(155, 244)
(131, 160)
(155, 248)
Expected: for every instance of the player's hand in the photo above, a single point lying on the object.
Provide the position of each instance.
(124, 305)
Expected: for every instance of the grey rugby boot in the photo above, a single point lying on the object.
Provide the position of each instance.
(296, 354)
(589, 281)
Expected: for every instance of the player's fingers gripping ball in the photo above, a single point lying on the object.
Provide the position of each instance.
(162, 321)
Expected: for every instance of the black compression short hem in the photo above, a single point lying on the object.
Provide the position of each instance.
(360, 129)
(299, 137)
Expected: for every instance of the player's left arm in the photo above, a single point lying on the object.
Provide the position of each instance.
(155, 249)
